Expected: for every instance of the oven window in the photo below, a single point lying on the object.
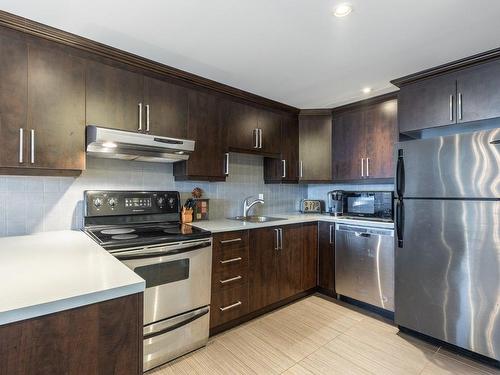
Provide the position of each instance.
(361, 205)
(164, 273)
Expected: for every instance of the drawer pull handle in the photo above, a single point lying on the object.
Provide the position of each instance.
(230, 280)
(230, 241)
(230, 260)
(230, 306)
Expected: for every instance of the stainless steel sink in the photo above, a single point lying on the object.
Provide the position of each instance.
(256, 219)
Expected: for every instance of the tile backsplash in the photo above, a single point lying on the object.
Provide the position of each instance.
(35, 204)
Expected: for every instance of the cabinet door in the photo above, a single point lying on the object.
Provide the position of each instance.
(428, 103)
(380, 129)
(13, 98)
(264, 285)
(315, 147)
(348, 146)
(207, 160)
(269, 124)
(290, 259)
(326, 254)
(56, 108)
(309, 256)
(290, 147)
(113, 97)
(477, 87)
(168, 108)
(240, 123)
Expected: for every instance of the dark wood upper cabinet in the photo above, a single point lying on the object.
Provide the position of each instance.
(56, 109)
(363, 141)
(427, 103)
(286, 168)
(166, 105)
(114, 97)
(315, 147)
(263, 268)
(326, 257)
(13, 98)
(478, 94)
(240, 123)
(269, 125)
(207, 162)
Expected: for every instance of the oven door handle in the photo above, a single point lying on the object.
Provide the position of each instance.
(152, 253)
(196, 315)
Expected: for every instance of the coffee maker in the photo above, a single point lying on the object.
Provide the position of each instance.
(336, 202)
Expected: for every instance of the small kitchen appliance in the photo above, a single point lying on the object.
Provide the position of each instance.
(308, 206)
(336, 202)
(142, 229)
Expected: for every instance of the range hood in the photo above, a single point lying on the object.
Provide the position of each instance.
(120, 144)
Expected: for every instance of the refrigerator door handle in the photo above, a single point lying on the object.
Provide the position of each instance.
(400, 174)
(400, 220)
(495, 142)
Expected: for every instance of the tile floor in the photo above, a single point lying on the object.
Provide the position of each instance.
(317, 335)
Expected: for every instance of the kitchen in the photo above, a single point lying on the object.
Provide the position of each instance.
(158, 215)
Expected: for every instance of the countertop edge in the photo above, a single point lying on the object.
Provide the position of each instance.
(47, 308)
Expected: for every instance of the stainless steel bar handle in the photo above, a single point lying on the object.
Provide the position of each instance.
(451, 107)
(232, 260)
(283, 165)
(226, 164)
(140, 117)
(460, 106)
(231, 279)
(301, 169)
(21, 145)
(362, 167)
(32, 146)
(147, 118)
(367, 167)
(256, 138)
(230, 306)
(260, 138)
(281, 238)
(331, 233)
(277, 247)
(230, 241)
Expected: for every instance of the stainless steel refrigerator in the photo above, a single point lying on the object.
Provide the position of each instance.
(447, 268)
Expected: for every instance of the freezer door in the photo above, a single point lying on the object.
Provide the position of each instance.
(448, 273)
(459, 166)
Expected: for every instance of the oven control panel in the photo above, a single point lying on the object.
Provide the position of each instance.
(113, 203)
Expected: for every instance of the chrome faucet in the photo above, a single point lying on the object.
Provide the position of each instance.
(247, 206)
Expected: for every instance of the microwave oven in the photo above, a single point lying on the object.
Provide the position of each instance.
(369, 204)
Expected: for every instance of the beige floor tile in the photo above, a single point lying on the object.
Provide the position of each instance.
(442, 365)
(324, 361)
(297, 370)
(469, 361)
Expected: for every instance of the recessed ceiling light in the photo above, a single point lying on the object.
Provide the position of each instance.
(367, 90)
(342, 10)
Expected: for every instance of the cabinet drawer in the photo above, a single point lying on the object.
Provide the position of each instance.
(228, 304)
(229, 246)
(229, 279)
(231, 264)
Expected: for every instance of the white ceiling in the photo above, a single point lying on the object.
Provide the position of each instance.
(292, 51)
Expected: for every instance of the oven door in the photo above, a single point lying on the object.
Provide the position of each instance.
(177, 276)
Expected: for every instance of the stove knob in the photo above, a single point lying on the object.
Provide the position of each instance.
(112, 202)
(160, 201)
(171, 202)
(97, 202)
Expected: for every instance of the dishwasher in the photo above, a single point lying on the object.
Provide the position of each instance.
(364, 264)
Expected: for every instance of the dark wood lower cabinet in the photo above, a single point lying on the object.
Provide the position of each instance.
(309, 269)
(103, 339)
(326, 257)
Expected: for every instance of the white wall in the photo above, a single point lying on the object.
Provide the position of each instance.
(34, 204)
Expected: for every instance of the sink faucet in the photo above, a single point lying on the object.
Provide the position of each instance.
(247, 206)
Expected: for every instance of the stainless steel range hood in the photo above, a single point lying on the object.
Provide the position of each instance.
(121, 144)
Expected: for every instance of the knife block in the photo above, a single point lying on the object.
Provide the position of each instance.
(186, 215)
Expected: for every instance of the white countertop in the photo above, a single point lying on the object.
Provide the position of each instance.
(54, 271)
(228, 225)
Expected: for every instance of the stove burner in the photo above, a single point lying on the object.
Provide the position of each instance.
(118, 231)
(172, 231)
(124, 236)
